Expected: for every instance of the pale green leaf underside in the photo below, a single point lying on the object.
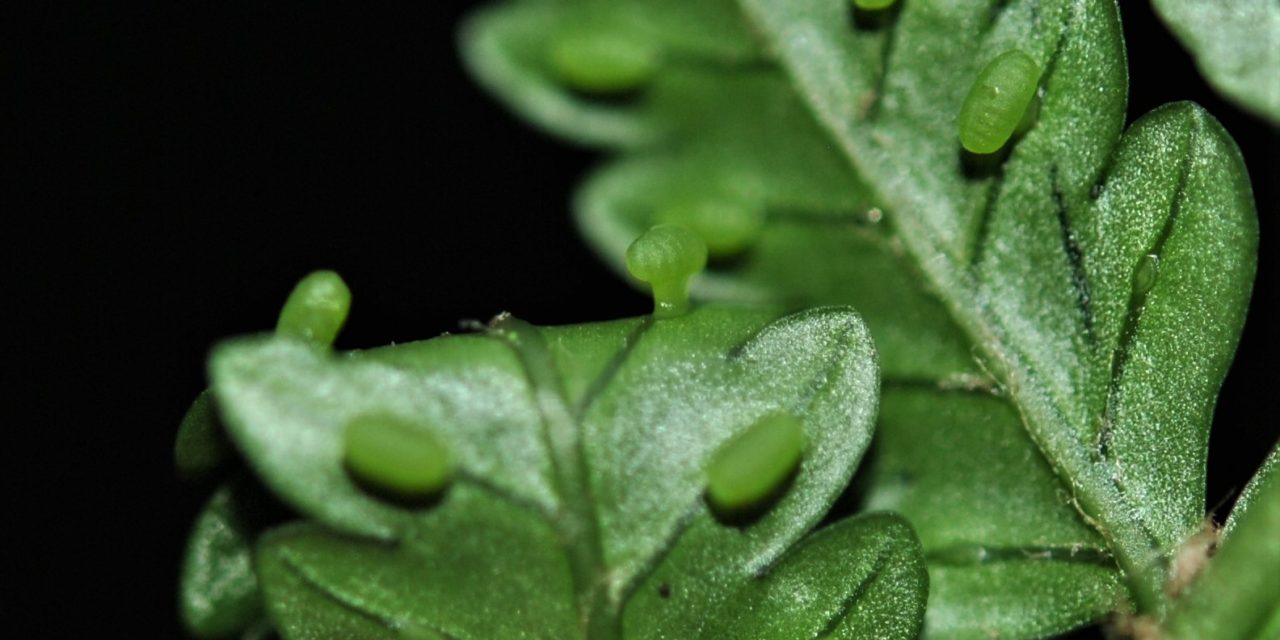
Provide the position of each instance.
(1236, 45)
(650, 401)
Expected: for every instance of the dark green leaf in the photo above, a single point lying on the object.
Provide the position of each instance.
(219, 592)
(201, 446)
(863, 577)
(1236, 44)
(630, 412)
(1008, 555)
(476, 567)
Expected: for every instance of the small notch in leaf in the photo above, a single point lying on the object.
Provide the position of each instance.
(316, 309)
(752, 469)
(666, 256)
(395, 458)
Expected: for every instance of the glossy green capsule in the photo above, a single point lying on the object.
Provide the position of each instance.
(998, 101)
(751, 467)
(666, 256)
(393, 455)
(316, 309)
(598, 61)
(729, 226)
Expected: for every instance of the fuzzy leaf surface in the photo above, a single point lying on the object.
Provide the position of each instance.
(1041, 256)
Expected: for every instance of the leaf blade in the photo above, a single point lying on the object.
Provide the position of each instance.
(1050, 367)
(876, 589)
(630, 412)
(1236, 46)
(473, 557)
(1008, 554)
(219, 592)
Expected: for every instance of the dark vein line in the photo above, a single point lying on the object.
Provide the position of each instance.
(652, 563)
(611, 369)
(1124, 347)
(826, 377)
(1121, 354)
(887, 50)
(1051, 65)
(1123, 350)
(976, 554)
(851, 598)
(467, 477)
(979, 241)
(343, 602)
(1075, 257)
(1070, 247)
(577, 521)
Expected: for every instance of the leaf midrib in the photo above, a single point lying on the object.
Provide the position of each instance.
(576, 519)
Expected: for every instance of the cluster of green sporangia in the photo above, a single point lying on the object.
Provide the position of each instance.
(388, 455)
(391, 456)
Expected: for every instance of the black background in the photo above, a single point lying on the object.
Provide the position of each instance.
(185, 164)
